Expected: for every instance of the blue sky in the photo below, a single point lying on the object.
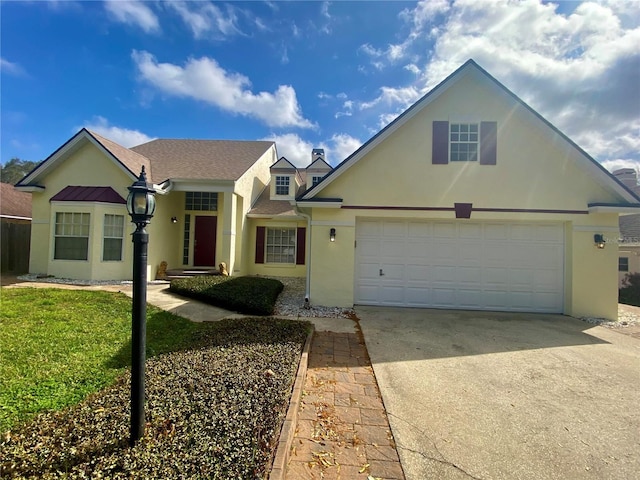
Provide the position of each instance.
(306, 74)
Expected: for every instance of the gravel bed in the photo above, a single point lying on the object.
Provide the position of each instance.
(290, 303)
(32, 277)
(625, 319)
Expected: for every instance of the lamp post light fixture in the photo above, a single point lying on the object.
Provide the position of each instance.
(141, 204)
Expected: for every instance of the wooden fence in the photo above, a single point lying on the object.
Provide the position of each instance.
(14, 253)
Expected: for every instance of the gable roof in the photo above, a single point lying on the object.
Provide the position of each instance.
(88, 194)
(130, 162)
(198, 159)
(283, 164)
(320, 164)
(601, 175)
(14, 203)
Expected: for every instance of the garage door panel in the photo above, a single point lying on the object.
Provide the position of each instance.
(458, 264)
(444, 297)
(393, 248)
(418, 273)
(394, 229)
(470, 299)
(468, 275)
(391, 272)
(392, 294)
(368, 294)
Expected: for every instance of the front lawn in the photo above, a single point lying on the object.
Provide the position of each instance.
(213, 409)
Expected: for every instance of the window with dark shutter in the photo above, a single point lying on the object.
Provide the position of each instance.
(260, 236)
(300, 245)
(440, 143)
(488, 143)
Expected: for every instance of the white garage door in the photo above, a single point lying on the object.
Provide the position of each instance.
(460, 265)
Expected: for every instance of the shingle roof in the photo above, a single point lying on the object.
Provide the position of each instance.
(630, 228)
(88, 194)
(265, 206)
(130, 159)
(13, 202)
(200, 159)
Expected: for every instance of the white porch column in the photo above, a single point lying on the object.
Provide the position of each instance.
(229, 231)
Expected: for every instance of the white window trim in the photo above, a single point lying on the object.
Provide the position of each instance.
(104, 217)
(56, 236)
(266, 245)
(458, 142)
(288, 185)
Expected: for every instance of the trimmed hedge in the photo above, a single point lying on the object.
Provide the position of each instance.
(250, 295)
(630, 291)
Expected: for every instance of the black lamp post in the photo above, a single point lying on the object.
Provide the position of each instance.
(141, 204)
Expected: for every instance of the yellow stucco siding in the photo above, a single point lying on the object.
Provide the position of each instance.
(165, 237)
(270, 269)
(87, 166)
(531, 171)
(535, 170)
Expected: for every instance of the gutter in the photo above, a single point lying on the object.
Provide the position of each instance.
(307, 290)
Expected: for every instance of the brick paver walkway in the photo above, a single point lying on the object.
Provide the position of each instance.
(342, 429)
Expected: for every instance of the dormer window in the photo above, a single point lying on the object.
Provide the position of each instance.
(282, 185)
(315, 180)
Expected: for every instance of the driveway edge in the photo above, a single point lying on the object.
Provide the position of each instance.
(288, 430)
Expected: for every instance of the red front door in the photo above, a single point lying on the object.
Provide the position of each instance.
(204, 245)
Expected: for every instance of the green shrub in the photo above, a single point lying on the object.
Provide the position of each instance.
(630, 291)
(250, 295)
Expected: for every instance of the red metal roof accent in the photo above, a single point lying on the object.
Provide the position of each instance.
(88, 194)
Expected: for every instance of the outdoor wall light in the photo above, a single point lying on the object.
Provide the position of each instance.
(141, 202)
(599, 240)
(174, 219)
(332, 235)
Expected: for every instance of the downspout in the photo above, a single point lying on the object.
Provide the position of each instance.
(307, 254)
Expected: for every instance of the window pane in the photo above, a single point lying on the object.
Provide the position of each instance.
(112, 249)
(280, 245)
(71, 248)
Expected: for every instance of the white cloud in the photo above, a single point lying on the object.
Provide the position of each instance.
(294, 148)
(11, 68)
(298, 150)
(206, 19)
(137, 14)
(412, 68)
(403, 97)
(123, 136)
(340, 146)
(580, 70)
(204, 79)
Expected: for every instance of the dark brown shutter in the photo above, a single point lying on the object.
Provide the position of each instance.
(488, 143)
(301, 237)
(440, 143)
(260, 235)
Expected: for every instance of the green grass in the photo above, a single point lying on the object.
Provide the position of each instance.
(58, 346)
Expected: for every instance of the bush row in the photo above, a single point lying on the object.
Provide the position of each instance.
(249, 295)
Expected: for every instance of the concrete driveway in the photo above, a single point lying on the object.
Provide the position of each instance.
(506, 396)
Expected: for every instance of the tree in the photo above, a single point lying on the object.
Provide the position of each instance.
(13, 171)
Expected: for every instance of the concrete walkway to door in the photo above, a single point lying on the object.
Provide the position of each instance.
(488, 395)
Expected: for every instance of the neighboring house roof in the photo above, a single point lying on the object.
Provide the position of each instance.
(201, 159)
(88, 194)
(602, 176)
(14, 203)
(630, 228)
